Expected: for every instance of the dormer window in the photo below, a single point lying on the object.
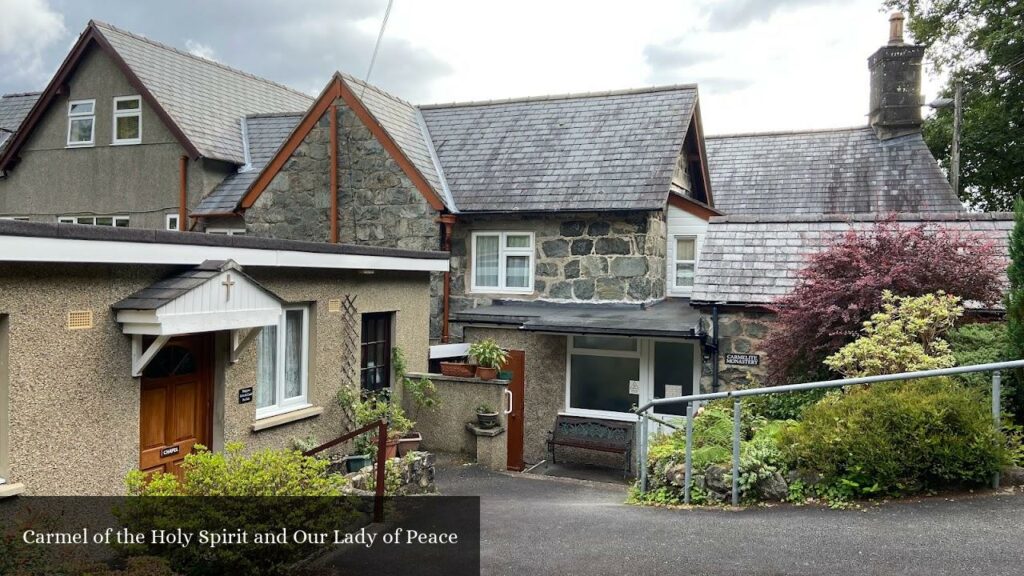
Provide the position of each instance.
(81, 122)
(127, 120)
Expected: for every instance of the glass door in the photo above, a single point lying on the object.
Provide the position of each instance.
(675, 372)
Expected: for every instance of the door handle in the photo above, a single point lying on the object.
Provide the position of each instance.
(508, 394)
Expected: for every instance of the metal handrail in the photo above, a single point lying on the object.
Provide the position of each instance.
(380, 465)
(643, 412)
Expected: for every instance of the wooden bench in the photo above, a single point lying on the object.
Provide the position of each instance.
(592, 434)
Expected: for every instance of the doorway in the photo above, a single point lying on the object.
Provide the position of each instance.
(176, 403)
(516, 364)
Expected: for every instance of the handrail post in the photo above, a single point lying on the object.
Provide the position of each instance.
(997, 415)
(643, 453)
(382, 446)
(688, 470)
(736, 452)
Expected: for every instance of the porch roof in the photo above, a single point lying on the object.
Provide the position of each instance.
(672, 318)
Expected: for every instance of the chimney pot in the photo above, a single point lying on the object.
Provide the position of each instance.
(896, 28)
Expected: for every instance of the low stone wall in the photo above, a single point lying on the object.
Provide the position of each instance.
(443, 426)
(417, 469)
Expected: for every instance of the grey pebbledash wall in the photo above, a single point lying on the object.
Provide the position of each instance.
(377, 203)
(617, 257)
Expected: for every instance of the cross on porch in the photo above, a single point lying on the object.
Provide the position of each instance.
(228, 283)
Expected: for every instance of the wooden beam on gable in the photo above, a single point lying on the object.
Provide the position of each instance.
(335, 89)
(691, 206)
(706, 175)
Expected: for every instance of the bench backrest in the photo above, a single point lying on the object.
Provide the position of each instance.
(593, 431)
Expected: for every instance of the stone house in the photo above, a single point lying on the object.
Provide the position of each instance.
(621, 253)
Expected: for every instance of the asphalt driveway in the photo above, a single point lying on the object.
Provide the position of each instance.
(537, 525)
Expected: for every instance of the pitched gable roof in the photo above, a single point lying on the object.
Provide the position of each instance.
(599, 151)
(13, 110)
(199, 100)
(826, 172)
(204, 98)
(264, 135)
(752, 260)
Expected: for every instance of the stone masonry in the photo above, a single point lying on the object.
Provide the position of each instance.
(740, 332)
(377, 203)
(607, 257)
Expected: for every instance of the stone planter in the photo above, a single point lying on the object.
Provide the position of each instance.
(486, 373)
(409, 443)
(487, 420)
(457, 369)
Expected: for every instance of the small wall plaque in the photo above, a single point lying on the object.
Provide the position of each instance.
(743, 359)
(634, 387)
(170, 451)
(245, 395)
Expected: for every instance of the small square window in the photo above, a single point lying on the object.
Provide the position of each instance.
(171, 222)
(502, 262)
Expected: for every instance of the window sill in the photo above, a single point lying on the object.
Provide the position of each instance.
(286, 418)
(485, 291)
(13, 489)
(82, 145)
(126, 143)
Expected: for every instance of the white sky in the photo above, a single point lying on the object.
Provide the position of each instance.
(760, 64)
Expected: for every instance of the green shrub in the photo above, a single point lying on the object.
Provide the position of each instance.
(984, 343)
(905, 336)
(787, 406)
(899, 438)
(231, 473)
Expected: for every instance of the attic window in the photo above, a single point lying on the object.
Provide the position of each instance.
(81, 122)
(127, 120)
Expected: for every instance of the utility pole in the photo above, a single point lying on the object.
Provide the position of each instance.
(954, 160)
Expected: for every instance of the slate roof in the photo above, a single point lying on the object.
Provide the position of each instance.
(755, 259)
(163, 292)
(266, 133)
(837, 171)
(402, 121)
(599, 151)
(13, 109)
(204, 98)
(667, 318)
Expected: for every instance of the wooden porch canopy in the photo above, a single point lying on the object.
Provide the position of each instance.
(216, 295)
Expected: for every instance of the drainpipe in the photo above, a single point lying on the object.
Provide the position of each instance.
(714, 352)
(182, 192)
(334, 173)
(447, 225)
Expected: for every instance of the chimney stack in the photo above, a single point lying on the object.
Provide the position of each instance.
(896, 85)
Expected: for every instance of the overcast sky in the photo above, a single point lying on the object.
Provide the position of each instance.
(760, 64)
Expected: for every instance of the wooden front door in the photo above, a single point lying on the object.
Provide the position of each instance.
(176, 411)
(516, 364)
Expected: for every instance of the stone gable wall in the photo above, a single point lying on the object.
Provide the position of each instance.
(591, 257)
(377, 203)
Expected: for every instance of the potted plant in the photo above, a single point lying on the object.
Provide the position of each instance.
(486, 416)
(423, 393)
(459, 369)
(489, 357)
(378, 407)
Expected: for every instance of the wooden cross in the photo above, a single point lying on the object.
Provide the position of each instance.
(228, 283)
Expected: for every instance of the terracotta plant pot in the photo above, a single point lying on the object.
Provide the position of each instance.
(487, 420)
(409, 443)
(391, 448)
(486, 373)
(457, 369)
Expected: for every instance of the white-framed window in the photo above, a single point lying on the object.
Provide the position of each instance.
(171, 222)
(502, 262)
(226, 231)
(684, 263)
(81, 122)
(282, 365)
(606, 376)
(115, 221)
(127, 120)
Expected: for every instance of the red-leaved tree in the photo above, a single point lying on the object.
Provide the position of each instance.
(842, 286)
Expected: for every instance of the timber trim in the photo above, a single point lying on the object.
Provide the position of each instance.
(691, 206)
(335, 89)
